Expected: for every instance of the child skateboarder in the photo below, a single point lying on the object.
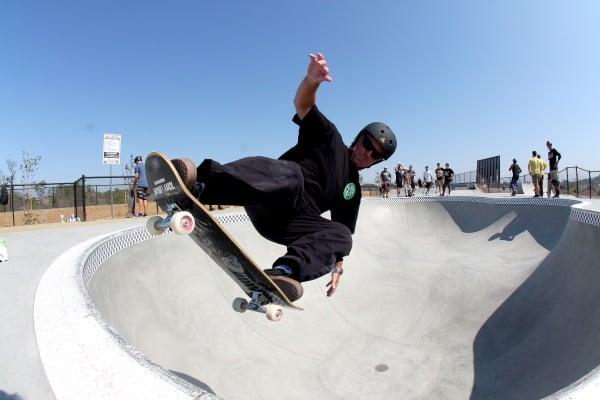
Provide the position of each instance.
(285, 198)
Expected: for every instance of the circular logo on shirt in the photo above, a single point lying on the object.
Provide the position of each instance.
(349, 191)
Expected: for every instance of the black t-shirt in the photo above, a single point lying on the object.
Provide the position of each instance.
(330, 179)
(516, 170)
(554, 157)
(448, 174)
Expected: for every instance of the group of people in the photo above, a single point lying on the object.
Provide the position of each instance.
(406, 183)
(537, 166)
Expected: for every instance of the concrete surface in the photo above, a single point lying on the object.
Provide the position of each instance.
(440, 300)
(30, 254)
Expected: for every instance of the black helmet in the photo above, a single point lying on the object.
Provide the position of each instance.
(383, 134)
(137, 158)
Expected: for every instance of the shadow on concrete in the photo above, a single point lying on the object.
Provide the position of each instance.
(6, 396)
(544, 337)
(191, 380)
(545, 227)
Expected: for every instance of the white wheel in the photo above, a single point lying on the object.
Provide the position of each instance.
(183, 223)
(274, 312)
(151, 225)
(240, 305)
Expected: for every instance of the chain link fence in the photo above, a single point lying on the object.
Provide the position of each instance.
(573, 181)
(88, 198)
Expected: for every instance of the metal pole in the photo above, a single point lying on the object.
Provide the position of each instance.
(576, 181)
(12, 199)
(83, 188)
(590, 182)
(111, 193)
(75, 197)
(568, 192)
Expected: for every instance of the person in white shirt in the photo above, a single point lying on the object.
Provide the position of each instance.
(427, 179)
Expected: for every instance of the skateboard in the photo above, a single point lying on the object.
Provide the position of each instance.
(187, 216)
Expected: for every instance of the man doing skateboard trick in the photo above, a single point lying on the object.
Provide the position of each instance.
(285, 198)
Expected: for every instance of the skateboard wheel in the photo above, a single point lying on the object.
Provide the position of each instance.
(274, 312)
(183, 223)
(151, 225)
(240, 305)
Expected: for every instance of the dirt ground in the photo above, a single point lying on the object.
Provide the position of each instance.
(58, 215)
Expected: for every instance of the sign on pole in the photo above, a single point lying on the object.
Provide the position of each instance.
(111, 149)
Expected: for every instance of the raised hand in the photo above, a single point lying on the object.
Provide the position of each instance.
(318, 71)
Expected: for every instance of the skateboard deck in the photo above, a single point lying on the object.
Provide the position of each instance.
(186, 215)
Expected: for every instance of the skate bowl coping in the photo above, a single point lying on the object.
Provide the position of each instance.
(457, 298)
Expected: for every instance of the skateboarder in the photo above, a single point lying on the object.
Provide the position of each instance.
(285, 198)
(514, 182)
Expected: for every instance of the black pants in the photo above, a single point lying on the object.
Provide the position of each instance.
(272, 192)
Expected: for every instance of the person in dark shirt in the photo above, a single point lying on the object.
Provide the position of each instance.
(141, 184)
(448, 176)
(386, 182)
(285, 198)
(553, 158)
(516, 171)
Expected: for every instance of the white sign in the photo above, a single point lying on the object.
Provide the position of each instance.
(111, 153)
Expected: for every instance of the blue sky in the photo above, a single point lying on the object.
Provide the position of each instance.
(456, 80)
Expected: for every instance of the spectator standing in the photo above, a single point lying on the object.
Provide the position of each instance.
(427, 179)
(386, 182)
(399, 170)
(553, 158)
(439, 178)
(516, 171)
(409, 180)
(448, 176)
(141, 184)
(543, 166)
(534, 170)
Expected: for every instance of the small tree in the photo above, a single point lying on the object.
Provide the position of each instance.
(12, 171)
(28, 169)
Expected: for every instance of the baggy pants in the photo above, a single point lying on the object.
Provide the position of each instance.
(272, 192)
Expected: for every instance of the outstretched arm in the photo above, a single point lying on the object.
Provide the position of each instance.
(306, 95)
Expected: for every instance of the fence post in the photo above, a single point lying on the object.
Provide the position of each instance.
(83, 188)
(576, 181)
(12, 199)
(75, 197)
(568, 192)
(590, 182)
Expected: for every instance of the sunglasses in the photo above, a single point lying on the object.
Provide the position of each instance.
(369, 146)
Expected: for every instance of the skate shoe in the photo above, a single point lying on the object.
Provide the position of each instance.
(186, 170)
(289, 286)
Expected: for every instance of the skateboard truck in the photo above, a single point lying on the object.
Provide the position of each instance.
(259, 303)
(180, 222)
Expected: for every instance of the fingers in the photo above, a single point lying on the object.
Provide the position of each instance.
(318, 68)
(333, 284)
(317, 56)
